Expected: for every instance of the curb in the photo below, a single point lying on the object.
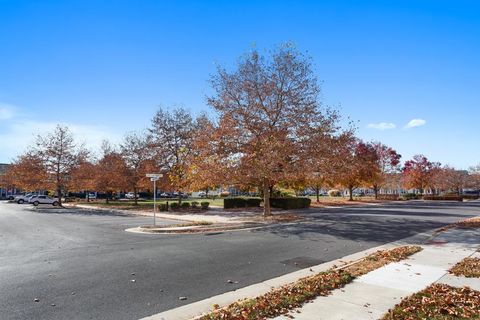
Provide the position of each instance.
(197, 309)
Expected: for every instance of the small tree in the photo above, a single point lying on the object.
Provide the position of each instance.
(135, 153)
(110, 172)
(59, 156)
(207, 171)
(27, 172)
(388, 161)
(359, 165)
(171, 139)
(474, 178)
(83, 177)
(418, 173)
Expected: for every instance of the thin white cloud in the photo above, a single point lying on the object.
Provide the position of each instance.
(415, 123)
(6, 111)
(382, 126)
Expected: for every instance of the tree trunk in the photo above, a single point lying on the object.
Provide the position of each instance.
(375, 190)
(350, 191)
(266, 198)
(88, 196)
(135, 194)
(59, 194)
(317, 193)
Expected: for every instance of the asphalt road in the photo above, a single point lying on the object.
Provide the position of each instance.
(80, 264)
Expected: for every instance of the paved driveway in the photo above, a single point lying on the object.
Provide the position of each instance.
(80, 264)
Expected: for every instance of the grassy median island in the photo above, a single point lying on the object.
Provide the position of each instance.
(286, 298)
(439, 302)
(147, 205)
(468, 267)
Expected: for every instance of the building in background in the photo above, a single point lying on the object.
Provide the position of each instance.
(4, 192)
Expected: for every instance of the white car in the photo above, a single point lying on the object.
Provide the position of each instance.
(23, 198)
(130, 195)
(44, 200)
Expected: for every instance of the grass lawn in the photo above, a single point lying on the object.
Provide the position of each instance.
(147, 203)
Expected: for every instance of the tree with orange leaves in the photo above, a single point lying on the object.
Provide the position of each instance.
(358, 165)
(269, 112)
(418, 173)
(388, 163)
(135, 153)
(110, 172)
(28, 173)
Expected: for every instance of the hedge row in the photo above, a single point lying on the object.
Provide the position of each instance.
(290, 203)
(444, 198)
(388, 197)
(230, 203)
(283, 203)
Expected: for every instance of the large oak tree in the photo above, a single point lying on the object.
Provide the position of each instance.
(269, 112)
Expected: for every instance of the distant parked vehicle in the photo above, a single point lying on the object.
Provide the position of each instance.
(166, 195)
(91, 196)
(23, 198)
(12, 196)
(36, 200)
(202, 194)
(131, 195)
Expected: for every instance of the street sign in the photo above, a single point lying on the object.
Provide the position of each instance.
(154, 175)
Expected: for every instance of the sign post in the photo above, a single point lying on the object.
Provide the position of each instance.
(154, 177)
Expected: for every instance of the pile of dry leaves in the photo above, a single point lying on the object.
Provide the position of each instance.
(440, 302)
(470, 223)
(282, 300)
(468, 267)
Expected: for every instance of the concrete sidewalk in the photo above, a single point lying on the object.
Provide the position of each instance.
(373, 294)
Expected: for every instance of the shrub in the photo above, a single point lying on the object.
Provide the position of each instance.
(253, 202)
(388, 197)
(410, 196)
(163, 207)
(444, 198)
(229, 203)
(194, 204)
(469, 197)
(204, 205)
(185, 205)
(174, 205)
(334, 193)
(290, 203)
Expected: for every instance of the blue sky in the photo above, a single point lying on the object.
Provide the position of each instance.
(103, 67)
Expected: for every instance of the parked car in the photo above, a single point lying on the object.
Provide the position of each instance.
(23, 198)
(91, 196)
(202, 194)
(12, 196)
(36, 200)
(130, 195)
(166, 195)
